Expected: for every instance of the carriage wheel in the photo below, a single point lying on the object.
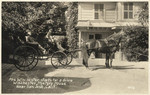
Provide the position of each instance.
(59, 60)
(26, 58)
(71, 55)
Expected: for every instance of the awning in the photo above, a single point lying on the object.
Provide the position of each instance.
(88, 23)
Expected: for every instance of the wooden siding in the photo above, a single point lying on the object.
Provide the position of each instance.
(86, 11)
(110, 12)
(110, 15)
(113, 11)
(110, 6)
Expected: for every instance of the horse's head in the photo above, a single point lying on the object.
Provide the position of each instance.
(115, 39)
(88, 44)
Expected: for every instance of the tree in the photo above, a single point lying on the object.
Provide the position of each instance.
(135, 46)
(71, 17)
(35, 15)
(143, 15)
(39, 17)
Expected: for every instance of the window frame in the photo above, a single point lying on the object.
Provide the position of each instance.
(91, 35)
(128, 11)
(99, 36)
(98, 11)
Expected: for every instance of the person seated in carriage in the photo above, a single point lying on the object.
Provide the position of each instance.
(31, 40)
(55, 40)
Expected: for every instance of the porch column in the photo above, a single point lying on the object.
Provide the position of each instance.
(118, 55)
(79, 43)
(119, 13)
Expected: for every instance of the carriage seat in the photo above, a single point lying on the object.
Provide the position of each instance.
(34, 45)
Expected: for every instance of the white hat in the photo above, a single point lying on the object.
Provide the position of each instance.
(28, 32)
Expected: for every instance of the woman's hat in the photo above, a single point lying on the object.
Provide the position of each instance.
(28, 32)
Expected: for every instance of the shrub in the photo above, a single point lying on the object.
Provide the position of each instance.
(135, 45)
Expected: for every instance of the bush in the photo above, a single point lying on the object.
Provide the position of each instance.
(135, 45)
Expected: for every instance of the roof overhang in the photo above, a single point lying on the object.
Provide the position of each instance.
(88, 23)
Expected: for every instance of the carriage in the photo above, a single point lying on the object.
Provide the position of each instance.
(27, 56)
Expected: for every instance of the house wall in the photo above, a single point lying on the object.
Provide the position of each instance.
(104, 32)
(136, 8)
(113, 11)
(86, 11)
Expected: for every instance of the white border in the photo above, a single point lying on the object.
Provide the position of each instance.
(70, 1)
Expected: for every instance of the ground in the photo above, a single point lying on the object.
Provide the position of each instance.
(124, 78)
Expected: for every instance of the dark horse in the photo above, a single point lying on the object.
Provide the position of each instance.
(108, 46)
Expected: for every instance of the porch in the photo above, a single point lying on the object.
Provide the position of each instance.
(88, 33)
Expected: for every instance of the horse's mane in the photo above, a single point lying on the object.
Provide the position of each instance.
(114, 40)
(116, 37)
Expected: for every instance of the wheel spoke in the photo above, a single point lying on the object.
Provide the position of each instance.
(27, 62)
(28, 67)
(60, 58)
(26, 58)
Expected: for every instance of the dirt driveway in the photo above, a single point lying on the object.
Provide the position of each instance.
(123, 78)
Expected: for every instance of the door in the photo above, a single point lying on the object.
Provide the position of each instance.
(97, 54)
(97, 37)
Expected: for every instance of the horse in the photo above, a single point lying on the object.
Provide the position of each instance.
(108, 46)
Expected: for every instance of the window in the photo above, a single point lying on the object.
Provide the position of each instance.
(98, 36)
(95, 36)
(99, 11)
(128, 10)
(91, 36)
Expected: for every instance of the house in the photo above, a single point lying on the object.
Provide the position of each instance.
(98, 20)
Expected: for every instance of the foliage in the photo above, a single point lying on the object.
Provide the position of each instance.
(71, 17)
(143, 14)
(135, 44)
(38, 17)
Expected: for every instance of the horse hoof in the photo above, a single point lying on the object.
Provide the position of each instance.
(111, 67)
(89, 69)
(108, 67)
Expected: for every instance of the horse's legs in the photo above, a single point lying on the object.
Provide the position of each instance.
(107, 60)
(111, 59)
